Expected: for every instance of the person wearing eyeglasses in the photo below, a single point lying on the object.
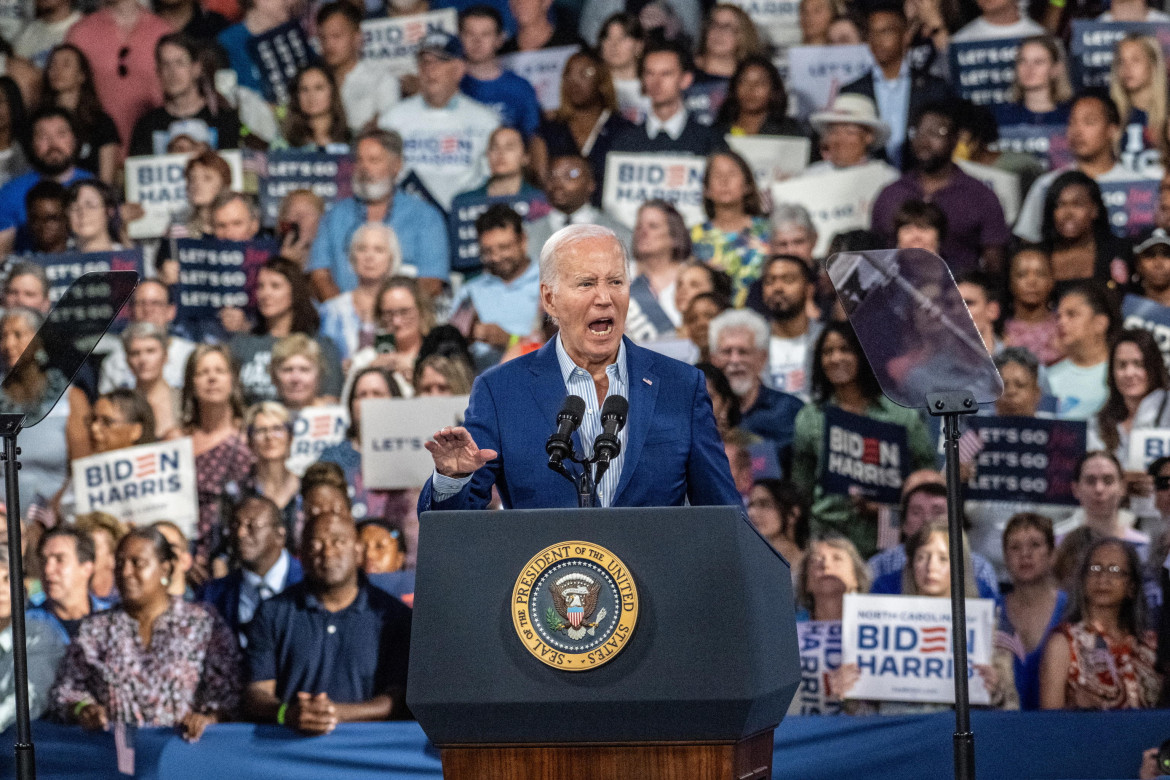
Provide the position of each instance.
(1098, 659)
(269, 428)
(570, 186)
(94, 223)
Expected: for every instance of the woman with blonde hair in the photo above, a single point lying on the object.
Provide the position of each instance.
(296, 368)
(1042, 92)
(145, 345)
(348, 319)
(270, 431)
(1137, 84)
(831, 568)
(442, 375)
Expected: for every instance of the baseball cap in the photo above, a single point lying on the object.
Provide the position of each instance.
(442, 45)
(1152, 239)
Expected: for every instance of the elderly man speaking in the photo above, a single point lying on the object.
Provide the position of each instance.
(670, 448)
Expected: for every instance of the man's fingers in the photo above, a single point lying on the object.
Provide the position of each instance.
(487, 455)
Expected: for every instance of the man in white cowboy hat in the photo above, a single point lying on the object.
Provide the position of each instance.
(849, 131)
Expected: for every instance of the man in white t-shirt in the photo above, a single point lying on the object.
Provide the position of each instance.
(786, 284)
(444, 132)
(999, 19)
(368, 87)
(54, 18)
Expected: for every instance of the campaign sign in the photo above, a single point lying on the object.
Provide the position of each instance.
(1093, 44)
(902, 644)
(1132, 205)
(817, 73)
(279, 54)
(328, 175)
(703, 101)
(1026, 459)
(984, 71)
(461, 224)
(64, 269)
(393, 433)
(1005, 185)
(772, 157)
(778, 20)
(216, 274)
(631, 179)
(542, 69)
(158, 183)
(1047, 143)
(864, 457)
(1139, 312)
(1146, 445)
(836, 200)
(141, 485)
(819, 643)
(395, 41)
(314, 429)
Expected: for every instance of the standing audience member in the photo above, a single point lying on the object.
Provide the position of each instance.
(53, 20)
(145, 346)
(1041, 91)
(570, 186)
(849, 131)
(13, 161)
(780, 513)
(296, 369)
(999, 20)
(734, 237)
(787, 286)
(405, 315)
(727, 37)
(1075, 233)
(1136, 369)
(150, 305)
(661, 248)
(69, 84)
(106, 531)
(1085, 322)
(348, 319)
(1032, 323)
(260, 16)
(535, 28)
(94, 224)
(48, 222)
(831, 568)
(27, 286)
(1137, 84)
(508, 171)
(481, 33)
(757, 101)
(315, 121)
(368, 88)
(181, 547)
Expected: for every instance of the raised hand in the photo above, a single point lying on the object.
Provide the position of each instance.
(455, 453)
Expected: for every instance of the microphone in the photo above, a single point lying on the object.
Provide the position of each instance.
(608, 445)
(560, 445)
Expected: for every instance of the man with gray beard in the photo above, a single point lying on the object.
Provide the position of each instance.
(421, 230)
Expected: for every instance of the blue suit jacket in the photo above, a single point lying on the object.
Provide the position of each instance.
(224, 593)
(673, 451)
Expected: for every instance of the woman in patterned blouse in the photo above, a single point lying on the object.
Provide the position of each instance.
(153, 660)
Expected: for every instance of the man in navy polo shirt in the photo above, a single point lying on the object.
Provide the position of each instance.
(332, 648)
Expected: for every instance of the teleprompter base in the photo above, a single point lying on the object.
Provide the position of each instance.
(747, 759)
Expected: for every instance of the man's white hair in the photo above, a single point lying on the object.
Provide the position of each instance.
(739, 319)
(567, 237)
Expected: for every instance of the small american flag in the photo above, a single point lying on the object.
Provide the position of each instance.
(970, 445)
(888, 527)
(124, 747)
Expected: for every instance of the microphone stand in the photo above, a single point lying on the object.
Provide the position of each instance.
(583, 482)
(10, 425)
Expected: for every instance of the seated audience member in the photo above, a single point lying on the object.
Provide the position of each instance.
(437, 114)
(842, 377)
(570, 186)
(481, 33)
(535, 28)
(1086, 320)
(757, 102)
(46, 31)
(787, 285)
(94, 223)
(315, 121)
(1041, 92)
(1098, 658)
(153, 660)
(368, 88)
(106, 531)
(150, 306)
(420, 228)
(922, 504)
(284, 308)
(270, 432)
(27, 286)
(667, 72)
(1032, 322)
(919, 225)
(981, 296)
(1075, 233)
(734, 237)
(724, 402)
(780, 513)
(1094, 133)
(185, 109)
(438, 374)
(1137, 85)
(213, 412)
(587, 121)
(1152, 266)
(297, 220)
(120, 40)
(332, 648)
(69, 84)
(697, 318)
(48, 219)
(977, 235)
(739, 348)
(928, 573)
(66, 558)
(348, 319)
(236, 40)
(405, 315)
(998, 20)
(45, 648)
(181, 547)
(383, 548)
(52, 151)
(885, 29)
(1136, 369)
(849, 132)
(266, 568)
(502, 302)
(661, 248)
(1034, 606)
(830, 569)
(297, 368)
(145, 349)
(727, 36)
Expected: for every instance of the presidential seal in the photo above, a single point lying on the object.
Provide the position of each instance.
(574, 606)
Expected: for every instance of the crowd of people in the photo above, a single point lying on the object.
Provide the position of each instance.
(287, 601)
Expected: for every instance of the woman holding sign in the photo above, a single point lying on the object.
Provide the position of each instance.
(1136, 369)
(1099, 658)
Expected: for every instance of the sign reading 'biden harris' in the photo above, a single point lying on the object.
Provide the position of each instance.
(631, 179)
(863, 457)
(574, 606)
(140, 485)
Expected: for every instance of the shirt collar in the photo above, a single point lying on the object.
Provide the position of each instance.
(568, 366)
(360, 603)
(273, 578)
(903, 73)
(673, 127)
(586, 215)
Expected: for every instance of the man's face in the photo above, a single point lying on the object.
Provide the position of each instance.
(793, 240)
(234, 222)
(570, 184)
(257, 534)
(663, 78)
(438, 78)
(589, 297)
(920, 510)
(341, 42)
(176, 71)
(886, 38)
(738, 357)
(48, 225)
(150, 304)
(504, 252)
(983, 311)
(25, 290)
(65, 578)
(54, 145)
(785, 289)
(934, 142)
(372, 162)
(1089, 133)
(331, 550)
(481, 39)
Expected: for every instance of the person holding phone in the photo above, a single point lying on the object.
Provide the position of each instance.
(403, 316)
(348, 319)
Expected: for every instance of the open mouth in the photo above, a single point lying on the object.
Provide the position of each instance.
(601, 327)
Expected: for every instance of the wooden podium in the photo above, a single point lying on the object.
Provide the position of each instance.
(695, 692)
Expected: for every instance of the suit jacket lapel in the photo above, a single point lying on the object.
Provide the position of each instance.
(643, 394)
(548, 386)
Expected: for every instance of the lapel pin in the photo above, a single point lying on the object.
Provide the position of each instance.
(647, 381)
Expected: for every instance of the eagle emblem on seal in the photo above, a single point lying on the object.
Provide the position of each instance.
(574, 598)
